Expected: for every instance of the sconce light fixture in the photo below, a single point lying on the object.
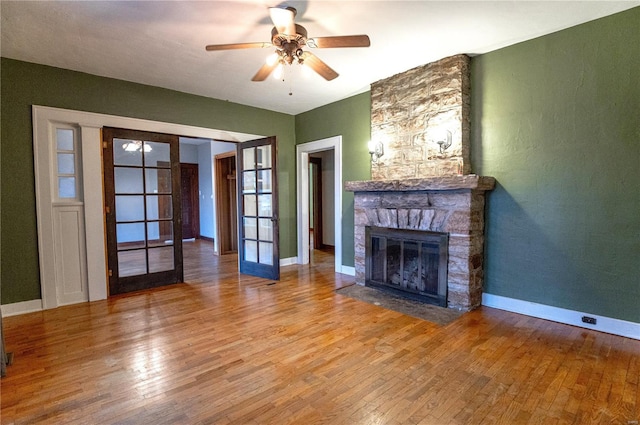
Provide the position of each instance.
(444, 141)
(376, 150)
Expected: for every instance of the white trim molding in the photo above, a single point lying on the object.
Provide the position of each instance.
(302, 173)
(348, 270)
(561, 315)
(22, 307)
(89, 125)
(288, 261)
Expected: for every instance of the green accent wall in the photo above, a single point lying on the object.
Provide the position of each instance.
(25, 84)
(556, 121)
(351, 119)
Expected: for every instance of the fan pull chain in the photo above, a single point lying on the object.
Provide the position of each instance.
(290, 81)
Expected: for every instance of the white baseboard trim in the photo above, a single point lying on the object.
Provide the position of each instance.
(351, 271)
(561, 315)
(288, 261)
(22, 307)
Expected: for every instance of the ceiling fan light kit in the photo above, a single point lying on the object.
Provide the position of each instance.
(289, 38)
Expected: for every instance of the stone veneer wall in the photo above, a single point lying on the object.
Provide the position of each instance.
(453, 205)
(412, 111)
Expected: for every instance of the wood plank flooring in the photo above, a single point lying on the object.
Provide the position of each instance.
(229, 349)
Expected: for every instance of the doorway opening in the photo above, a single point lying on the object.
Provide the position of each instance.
(88, 261)
(315, 202)
(331, 205)
(148, 192)
(226, 203)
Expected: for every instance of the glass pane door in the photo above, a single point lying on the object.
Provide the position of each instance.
(258, 220)
(143, 209)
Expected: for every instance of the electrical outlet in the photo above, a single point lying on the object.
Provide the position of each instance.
(589, 320)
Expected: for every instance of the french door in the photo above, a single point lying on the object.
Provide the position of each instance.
(258, 218)
(143, 209)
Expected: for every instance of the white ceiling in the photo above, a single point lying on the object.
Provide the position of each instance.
(161, 43)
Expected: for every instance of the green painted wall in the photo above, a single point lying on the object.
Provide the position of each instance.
(557, 121)
(351, 119)
(25, 84)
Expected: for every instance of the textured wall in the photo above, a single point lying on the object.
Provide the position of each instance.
(349, 118)
(556, 121)
(412, 112)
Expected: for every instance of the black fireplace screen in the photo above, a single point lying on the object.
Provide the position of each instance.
(408, 262)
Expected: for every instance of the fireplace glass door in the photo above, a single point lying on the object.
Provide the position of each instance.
(408, 262)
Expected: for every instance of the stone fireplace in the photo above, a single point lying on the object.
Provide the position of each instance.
(423, 181)
(453, 205)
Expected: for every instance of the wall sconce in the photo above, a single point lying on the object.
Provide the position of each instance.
(444, 140)
(376, 150)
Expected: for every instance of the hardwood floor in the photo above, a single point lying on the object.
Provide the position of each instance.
(224, 348)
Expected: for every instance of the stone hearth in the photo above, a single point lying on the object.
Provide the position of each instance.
(452, 205)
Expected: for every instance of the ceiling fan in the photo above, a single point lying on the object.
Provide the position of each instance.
(289, 38)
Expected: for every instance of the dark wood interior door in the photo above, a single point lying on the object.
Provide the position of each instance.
(315, 180)
(143, 209)
(190, 201)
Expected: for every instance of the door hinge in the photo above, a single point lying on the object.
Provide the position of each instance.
(110, 273)
(104, 145)
(107, 210)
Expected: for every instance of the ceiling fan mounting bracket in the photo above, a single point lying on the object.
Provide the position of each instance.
(300, 37)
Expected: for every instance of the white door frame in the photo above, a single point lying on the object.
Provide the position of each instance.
(90, 125)
(302, 170)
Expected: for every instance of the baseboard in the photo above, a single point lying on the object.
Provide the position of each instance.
(288, 261)
(561, 315)
(22, 307)
(348, 270)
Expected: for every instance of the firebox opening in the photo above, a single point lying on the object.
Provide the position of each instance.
(410, 263)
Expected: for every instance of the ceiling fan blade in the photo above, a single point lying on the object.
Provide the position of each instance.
(264, 72)
(283, 19)
(234, 46)
(315, 63)
(339, 41)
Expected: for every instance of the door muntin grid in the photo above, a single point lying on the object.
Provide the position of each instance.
(143, 206)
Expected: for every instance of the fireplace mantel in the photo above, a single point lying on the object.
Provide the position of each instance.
(470, 181)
